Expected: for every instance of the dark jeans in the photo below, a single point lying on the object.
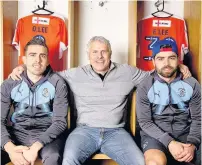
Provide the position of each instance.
(51, 154)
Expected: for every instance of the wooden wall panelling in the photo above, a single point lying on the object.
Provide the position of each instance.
(71, 27)
(10, 16)
(1, 40)
(132, 40)
(192, 15)
(200, 51)
(76, 33)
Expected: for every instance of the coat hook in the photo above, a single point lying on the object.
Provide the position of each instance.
(158, 3)
(101, 3)
(44, 4)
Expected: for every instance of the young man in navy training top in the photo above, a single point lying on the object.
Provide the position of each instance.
(40, 107)
(169, 111)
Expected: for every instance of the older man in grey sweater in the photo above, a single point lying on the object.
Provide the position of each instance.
(101, 92)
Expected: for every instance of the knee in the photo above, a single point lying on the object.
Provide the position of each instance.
(140, 161)
(155, 162)
(70, 158)
(155, 157)
(151, 162)
(53, 159)
(137, 159)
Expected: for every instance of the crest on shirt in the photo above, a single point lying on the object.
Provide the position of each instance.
(157, 94)
(182, 92)
(45, 92)
(20, 90)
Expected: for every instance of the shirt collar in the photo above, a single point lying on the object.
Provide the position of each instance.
(112, 66)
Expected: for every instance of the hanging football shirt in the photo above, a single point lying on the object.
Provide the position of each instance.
(152, 29)
(52, 28)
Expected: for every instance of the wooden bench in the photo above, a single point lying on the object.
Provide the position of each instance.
(37, 162)
(101, 156)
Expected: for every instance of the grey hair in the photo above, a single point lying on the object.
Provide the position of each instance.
(100, 39)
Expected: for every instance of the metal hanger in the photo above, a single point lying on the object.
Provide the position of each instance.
(157, 4)
(42, 9)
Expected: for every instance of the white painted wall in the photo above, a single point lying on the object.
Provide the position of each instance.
(110, 21)
(172, 6)
(25, 7)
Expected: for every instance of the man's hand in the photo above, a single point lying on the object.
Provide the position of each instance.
(185, 71)
(20, 149)
(15, 153)
(188, 154)
(15, 75)
(175, 148)
(17, 158)
(32, 154)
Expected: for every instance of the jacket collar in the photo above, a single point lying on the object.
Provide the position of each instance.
(177, 78)
(46, 75)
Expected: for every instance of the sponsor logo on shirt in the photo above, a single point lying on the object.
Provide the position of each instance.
(147, 58)
(40, 20)
(161, 23)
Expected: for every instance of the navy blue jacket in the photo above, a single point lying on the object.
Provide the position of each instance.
(40, 109)
(168, 111)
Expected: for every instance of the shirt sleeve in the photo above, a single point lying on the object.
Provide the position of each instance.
(5, 109)
(59, 118)
(63, 38)
(16, 38)
(138, 75)
(184, 41)
(68, 75)
(194, 136)
(145, 120)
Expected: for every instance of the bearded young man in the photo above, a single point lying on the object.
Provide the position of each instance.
(169, 111)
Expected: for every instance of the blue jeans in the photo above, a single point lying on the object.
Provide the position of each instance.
(114, 142)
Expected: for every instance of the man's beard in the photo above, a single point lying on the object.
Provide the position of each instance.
(167, 74)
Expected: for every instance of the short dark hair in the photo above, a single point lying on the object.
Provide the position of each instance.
(37, 40)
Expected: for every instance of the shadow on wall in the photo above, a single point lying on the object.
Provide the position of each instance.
(188, 61)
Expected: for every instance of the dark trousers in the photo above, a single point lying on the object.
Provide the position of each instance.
(148, 142)
(4, 158)
(51, 154)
